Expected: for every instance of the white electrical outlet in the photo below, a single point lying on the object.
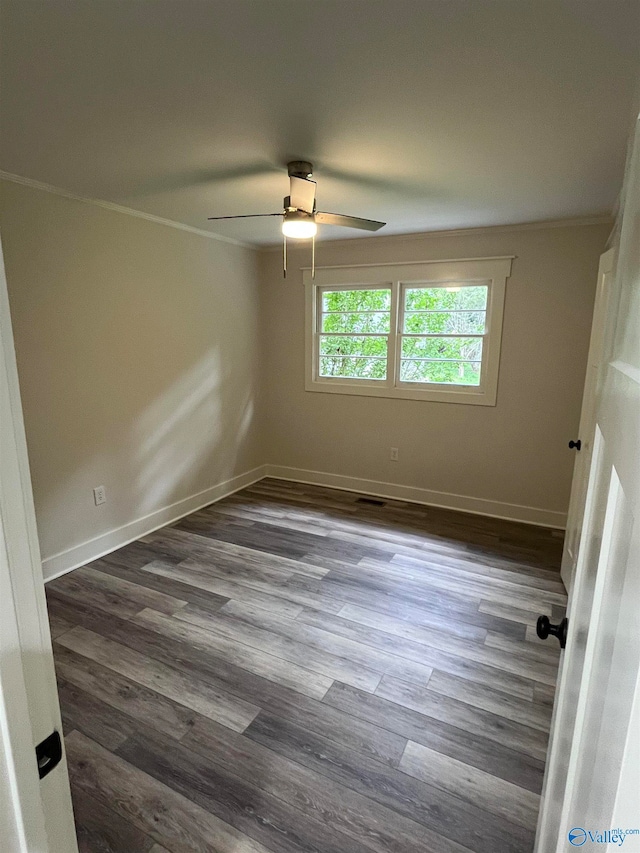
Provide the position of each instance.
(394, 454)
(99, 495)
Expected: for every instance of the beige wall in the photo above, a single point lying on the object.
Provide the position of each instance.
(513, 453)
(142, 369)
(137, 349)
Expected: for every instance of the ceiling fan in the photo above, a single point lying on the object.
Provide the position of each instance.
(300, 219)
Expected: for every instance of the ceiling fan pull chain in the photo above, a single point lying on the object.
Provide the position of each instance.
(313, 256)
(284, 255)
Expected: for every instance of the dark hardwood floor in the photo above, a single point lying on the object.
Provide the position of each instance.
(299, 670)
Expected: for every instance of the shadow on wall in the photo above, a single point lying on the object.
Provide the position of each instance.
(184, 431)
(186, 439)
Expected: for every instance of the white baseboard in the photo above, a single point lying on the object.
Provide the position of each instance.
(79, 555)
(413, 494)
(92, 549)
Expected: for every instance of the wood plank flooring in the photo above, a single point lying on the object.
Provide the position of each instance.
(300, 670)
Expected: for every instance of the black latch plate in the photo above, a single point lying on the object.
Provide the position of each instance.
(48, 754)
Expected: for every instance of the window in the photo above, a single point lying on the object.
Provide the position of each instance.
(428, 331)
(442, 332)
(354, 333)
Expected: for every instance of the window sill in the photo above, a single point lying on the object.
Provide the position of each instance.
(465, 395)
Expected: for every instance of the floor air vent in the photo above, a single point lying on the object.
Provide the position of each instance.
(370, 501)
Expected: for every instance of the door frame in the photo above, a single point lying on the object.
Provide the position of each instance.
(37, 815)
(586, 430)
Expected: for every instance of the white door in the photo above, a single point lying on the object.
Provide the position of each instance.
(592, 784)
(586, 431)
(35, 814)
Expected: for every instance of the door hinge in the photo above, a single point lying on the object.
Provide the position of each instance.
(48, 754)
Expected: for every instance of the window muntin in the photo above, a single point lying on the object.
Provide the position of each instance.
(442, 329)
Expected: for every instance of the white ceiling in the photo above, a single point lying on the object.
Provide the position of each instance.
(431, 114)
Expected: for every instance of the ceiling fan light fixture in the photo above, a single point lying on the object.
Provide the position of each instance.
(300, 218)
(299, 225)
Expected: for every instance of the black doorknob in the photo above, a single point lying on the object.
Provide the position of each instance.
(577, 444)
(544, 628)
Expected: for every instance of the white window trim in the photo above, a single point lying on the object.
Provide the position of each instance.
(491, 271)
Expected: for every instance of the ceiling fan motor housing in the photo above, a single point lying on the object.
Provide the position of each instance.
(300, 169)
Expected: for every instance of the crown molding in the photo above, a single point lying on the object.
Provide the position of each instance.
(602, 219)
(574, 222)
(119, 208)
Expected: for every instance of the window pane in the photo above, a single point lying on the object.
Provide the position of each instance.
(356, 300)
(444, 298)
(356, 322)
(458, 349)
(441, 372)
(349, 367)
(353, 345)
(445, 322)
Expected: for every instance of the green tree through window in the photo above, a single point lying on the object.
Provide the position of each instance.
(441, 336)
(354, 337)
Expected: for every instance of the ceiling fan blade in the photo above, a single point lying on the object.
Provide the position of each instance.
(302, 194)
(245, 216)
(348, 221)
